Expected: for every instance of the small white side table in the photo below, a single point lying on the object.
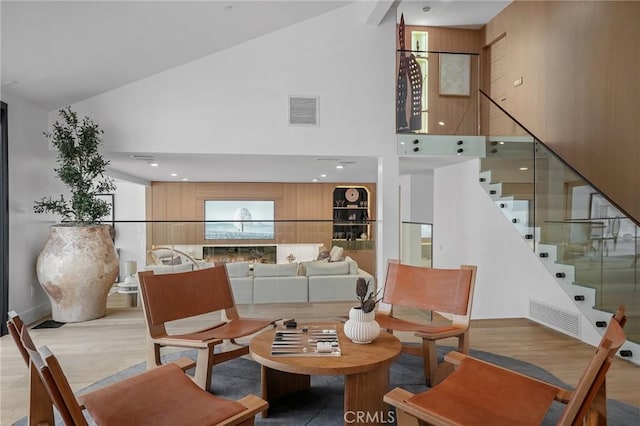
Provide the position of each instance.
(131, 291)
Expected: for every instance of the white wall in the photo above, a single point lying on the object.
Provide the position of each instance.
(129, 201)
(31, 177)
(417, 198)
(469, 229)
(235, 102)
(416, 204)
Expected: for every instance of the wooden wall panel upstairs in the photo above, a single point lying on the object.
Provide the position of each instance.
(449, 114)
(448, 39)
(580, 95)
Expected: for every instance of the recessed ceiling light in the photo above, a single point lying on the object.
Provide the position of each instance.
(314, 180)
(185, 179)
(174, 174)
(440, 123)
(153, 164)
(501, 143)
(339, 166)
(323, 175)
(524, 168)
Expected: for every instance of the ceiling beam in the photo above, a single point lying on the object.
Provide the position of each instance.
(379, 11)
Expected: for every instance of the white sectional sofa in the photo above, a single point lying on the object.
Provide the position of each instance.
(314, 281)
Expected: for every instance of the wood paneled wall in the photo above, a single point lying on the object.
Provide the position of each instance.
(184, 201)
(458, 113)
(580, 63)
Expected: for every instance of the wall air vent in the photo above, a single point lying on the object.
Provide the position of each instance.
(567, 322)
(303, 111)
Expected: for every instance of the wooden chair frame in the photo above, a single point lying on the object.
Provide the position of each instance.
(40, 405)
(170, 297)
(445, 292)
(49, 386)
(585, 405)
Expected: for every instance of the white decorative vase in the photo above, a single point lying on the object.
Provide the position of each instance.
(361, 327)
(76, 268)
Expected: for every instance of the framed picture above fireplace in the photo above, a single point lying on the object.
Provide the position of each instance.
(239, 219)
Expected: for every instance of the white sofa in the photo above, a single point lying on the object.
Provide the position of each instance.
(313, 281)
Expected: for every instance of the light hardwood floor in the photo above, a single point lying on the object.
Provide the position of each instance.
(92, 350)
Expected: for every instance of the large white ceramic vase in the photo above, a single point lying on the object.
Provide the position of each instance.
(76, 268)
(361, 327)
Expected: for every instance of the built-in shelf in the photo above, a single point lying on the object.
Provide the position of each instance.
(351, 213)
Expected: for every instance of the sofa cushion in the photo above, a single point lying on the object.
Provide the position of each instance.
(237, 269)
(336, 254)
(331, 268)
(275, 270)
(353, 266)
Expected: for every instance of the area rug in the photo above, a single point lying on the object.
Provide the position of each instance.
(322, 405)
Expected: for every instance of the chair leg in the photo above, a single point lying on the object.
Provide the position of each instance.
(204, 366)
(404, 419)
(40, 406)
(153, 355)
(430, 354)
(597, 415)
(463, 342)
(434, 373)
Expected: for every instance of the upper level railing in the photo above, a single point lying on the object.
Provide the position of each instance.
(580, 234)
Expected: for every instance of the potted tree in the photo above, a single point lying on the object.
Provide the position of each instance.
(78, 263)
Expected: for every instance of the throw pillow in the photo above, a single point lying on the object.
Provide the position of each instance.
(324, 254)
(237, 269)
(336, 254)
(353, 266)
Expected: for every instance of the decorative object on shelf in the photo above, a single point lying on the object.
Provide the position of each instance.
(290, 258)
(352, 195)
(364, 236)
(78, 263)
(361, 327)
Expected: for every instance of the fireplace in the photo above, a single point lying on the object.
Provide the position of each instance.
(219, 255)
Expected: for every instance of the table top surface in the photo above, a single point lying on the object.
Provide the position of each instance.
(355, 358)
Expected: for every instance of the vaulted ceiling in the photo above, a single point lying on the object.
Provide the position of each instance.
(56, 53)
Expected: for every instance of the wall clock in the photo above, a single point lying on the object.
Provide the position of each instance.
(352, 195)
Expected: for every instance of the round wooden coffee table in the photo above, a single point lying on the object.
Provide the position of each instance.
(365, 367)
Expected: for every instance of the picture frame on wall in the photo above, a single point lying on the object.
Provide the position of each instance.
(455, 74)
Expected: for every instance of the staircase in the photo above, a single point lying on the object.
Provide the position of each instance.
(552, 207)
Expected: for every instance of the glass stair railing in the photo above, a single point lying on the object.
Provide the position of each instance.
(588, 244)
